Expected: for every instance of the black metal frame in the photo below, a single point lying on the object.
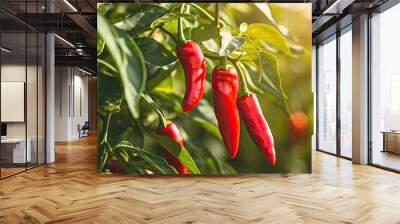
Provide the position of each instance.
(44, 70)
(338, 98)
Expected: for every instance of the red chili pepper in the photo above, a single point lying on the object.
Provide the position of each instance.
(225, 89)
(194, 66)
(170, 130)
(115, 167)
(256, 125)
(298, 124)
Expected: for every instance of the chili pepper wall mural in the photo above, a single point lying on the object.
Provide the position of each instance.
(204, 88)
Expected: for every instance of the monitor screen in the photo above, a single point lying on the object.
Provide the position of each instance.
(3, 129)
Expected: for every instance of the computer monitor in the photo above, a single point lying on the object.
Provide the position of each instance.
(3, 129)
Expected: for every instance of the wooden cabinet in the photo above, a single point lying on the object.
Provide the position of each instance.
(391, 142)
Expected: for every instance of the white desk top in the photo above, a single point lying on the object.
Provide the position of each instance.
(12, 140)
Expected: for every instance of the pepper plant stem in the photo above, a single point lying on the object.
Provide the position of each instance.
(205, 13)
(211, 55)
(217, 15)
(180, 25)
(216, 18)
(243, 89)
(224, 63)
(169, 34)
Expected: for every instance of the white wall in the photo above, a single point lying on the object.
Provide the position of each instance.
(14, 73)
(33, 126)
(71, 102)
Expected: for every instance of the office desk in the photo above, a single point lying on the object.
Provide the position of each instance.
(13, 150)
(391, 141)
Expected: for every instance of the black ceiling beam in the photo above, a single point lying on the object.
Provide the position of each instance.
(49, 22)
(78, 61)
(8, 24)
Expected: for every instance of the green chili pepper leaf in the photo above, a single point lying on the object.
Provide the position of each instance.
(229, 43)
(129, 62)
(271, 73)
(208, 126)
(253, 87)
(153, 162)
(157, 108)
(100, 46)
(268, 37)
(154, 52)
(141, 18)
(110, 96)
(203, 32)
(179, 151)
(103, 158)
(170, 17)
(124, 127)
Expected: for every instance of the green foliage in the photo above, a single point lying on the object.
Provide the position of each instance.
(170, 17)
(179, 151)
(203, 32)
(141, 18)
(125, 151)
(267, 38)
(140, 81)
(155, 53)
(129, 62)
(229, 43)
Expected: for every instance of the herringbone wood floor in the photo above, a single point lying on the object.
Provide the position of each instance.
(70, 191)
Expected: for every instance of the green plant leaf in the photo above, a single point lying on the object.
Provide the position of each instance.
(141, 18)
(229, 43)
(210, 164)
(170, 101)
(124, 128)
(129, 166)
(100, 46)
(169, 17)
(253, 87)
(110, 96)
(158, 164)
(154, 52)
(271, 73)
(157, 108)
(208, 126)
(235, 43)
(105, 68)
(206, 110)
(117, 12)
(210, 45)
(103, 158)
(129, 62)
(264, 65)
(158, 78)
(203, 32)
(179, 151)
(227, 168)
(267, 37)
(103, 8)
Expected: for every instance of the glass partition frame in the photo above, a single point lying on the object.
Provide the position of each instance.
(34, 67)
(337, 149)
